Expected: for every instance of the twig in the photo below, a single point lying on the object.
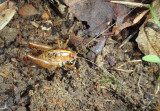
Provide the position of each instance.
(139, 86)
(123, 70)
(129, 62)
(127, 39)
(133, 4)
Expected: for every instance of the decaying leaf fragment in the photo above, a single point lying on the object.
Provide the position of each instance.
(131, 4)
(95, 12)
(119, 27)
(149, 39)
(96, 49)
(7, 11)
(27, 10)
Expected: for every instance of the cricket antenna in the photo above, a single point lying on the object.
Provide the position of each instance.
(89, 61)
(103, 69)
(93, 63)
(95, 37)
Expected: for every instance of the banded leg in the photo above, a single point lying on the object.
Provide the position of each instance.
(42, 47)
(56, 71)
(38, 61)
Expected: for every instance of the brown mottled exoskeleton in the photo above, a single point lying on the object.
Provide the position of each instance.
(51, 58)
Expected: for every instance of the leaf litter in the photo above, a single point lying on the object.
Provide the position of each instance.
(68, 92)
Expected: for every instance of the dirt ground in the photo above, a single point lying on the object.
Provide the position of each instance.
(129, 85)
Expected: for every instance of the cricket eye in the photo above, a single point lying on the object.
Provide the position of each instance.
(72, 56)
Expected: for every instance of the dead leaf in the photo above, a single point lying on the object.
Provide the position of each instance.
(78, 40)
(118, 27)
(95, 12)
(149, 39)
(27, 10)
(7, 11)
(96, 49)
(131, 4)
(3, 6)
(111, 60)
(139, 17)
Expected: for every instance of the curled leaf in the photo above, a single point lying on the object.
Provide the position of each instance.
(7, 11)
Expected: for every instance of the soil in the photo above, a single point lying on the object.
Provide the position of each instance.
(130, 84)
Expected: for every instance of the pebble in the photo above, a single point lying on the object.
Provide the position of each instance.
(7, 44)
(27, 10)
(1, 50)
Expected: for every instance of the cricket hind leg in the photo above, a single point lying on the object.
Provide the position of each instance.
(56, 71)
(38, 61)
(42, 47)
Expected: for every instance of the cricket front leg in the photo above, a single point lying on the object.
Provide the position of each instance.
(38, 61)
(65, 44)
(72, 67)
(59, 44)
(56, 71)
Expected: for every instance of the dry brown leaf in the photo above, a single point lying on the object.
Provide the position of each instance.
(76, 40)
(149, 39)
(95, 50)
(7, 11)
(95, 12)
(139, 17)
(118, 28)
(3, 6)
(131, 3)
(27, 10)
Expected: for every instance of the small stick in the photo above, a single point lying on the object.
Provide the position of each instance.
(133, 4)
(127, 39)
(19, 36)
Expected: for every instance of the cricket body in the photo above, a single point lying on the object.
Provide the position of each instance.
(51, 58)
